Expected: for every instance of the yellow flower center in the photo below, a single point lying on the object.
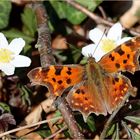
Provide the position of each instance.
(107, 45)
(5, 55)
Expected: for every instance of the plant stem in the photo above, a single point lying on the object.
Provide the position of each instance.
(56, 133)
(28, 126)
(44, 38)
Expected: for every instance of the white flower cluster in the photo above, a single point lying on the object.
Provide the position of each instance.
(9, 55)
(104, 43)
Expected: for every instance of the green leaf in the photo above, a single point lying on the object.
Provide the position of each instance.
(44, 131)
(57, 114)
(5, 107)
(111, 130)
(76, 53)
(26, 49)
(25, 91)
(29, 21)
(14, 33)
(59, 55)
(89, 4)
(59, 7)
(91, 123)
(73, 15)
(116, 133)
(133, 119)
(5, 9)
(134, 135)
(131, 134)
(84, 61)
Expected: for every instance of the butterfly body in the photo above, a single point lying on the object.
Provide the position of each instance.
(97, 87)
(100, 92)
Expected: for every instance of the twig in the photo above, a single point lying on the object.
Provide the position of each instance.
(96, 18)
(102, 12)
(44, 38)
(46, 57)
(64, 107)
(59, 131)
(109, 121)
(28, 126)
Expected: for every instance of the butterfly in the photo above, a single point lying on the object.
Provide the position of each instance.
(97, 87)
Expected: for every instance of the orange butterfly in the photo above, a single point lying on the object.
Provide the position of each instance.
(97, 87)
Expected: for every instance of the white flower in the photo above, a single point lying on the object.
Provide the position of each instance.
(9, 55)
(104, 43)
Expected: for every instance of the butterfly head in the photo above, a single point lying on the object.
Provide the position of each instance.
(91, 59)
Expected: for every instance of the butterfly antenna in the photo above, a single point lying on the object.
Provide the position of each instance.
(100, 40)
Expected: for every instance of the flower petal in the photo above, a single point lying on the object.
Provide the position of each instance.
(119, 42)
(7, 68)
(3, 41)
(99, 53)
(88, 50)
(115, 32)
(96, 35)
(21, 61)
(16, 45)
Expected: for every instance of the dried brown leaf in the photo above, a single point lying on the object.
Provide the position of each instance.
(5, 120)
(59, 42)
(130, 17)
(25, 131)
(33, 136)
(47, 105)
(34, 116)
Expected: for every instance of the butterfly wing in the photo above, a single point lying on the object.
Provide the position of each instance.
(123, 58)
(117, 87)
(90, 98)
(57, 77)
(83, 97)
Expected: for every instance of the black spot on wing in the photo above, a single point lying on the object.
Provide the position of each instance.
(113, 81)
(111, 57)
(82, 91)
(78, 91)
(86, 98)
(68, 81)
(121, 52)
(117, 79)
(124, 61)
(68, 72)
(46, 70)
(117, 65)
(128, 56)
(58, 70)
(60, 82)
(54, 79)
(69, 68)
